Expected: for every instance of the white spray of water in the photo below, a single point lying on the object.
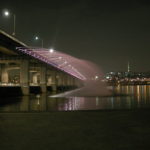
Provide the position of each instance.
(93, 85)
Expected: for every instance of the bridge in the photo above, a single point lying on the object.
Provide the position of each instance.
(25, 67)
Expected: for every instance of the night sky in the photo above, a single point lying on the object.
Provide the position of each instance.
(109, 33)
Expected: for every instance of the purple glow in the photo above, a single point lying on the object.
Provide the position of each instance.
(78, 68)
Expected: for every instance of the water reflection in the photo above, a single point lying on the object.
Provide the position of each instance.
(138, 97)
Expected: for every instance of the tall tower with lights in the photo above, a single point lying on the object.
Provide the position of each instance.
(128, 67)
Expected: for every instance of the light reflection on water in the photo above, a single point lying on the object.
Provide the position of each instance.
(138, 97)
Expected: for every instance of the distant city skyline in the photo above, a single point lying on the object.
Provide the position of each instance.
(109, 33)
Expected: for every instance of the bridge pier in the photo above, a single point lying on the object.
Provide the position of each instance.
(24, 76)
(65, 80)
(4, 73)
(49, 80)
(68, 80)
(60, 79)
(35, 78)
(54, 81)
(71, 81)
(43, 79)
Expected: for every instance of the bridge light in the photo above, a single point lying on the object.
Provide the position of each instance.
(51, 50)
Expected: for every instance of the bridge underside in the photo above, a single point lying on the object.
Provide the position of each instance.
(26, 72)
(20, 69)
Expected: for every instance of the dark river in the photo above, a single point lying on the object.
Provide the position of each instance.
(128, 97)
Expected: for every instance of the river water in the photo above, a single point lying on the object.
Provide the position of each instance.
(127, 97)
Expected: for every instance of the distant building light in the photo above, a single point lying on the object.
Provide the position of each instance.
(107, 77)
(112, 73)
(96, 77)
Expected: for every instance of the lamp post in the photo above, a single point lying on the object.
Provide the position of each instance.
(42, 42)
(7, 14)
(14, 33)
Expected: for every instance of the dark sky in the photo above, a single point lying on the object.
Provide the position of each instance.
(109, 33)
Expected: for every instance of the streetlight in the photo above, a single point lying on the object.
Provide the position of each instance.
(37, 38)
(7, 14)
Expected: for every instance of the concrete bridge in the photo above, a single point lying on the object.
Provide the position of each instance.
(26, 67)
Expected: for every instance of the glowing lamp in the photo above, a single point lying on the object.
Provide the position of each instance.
(36, 38)
(51, 50)
(6, 13)
(96, 77)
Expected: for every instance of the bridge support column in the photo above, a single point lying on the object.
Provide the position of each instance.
(65, 80)
(35, 78)
(60, 79)
(43, 79)
(73, 82)
(69, 81)
(4, 74)
(24, 76)
(49, 80)
(54, 81)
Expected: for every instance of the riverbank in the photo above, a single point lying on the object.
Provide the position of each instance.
(80, 130)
